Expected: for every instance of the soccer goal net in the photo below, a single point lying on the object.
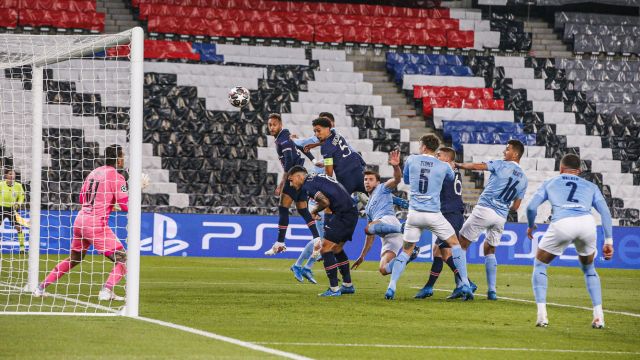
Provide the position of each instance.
(63, 102)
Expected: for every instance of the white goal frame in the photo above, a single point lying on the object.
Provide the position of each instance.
(135, 38)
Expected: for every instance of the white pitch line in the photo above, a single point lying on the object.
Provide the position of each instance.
(249, 345)
(451, 347)
(552, 304)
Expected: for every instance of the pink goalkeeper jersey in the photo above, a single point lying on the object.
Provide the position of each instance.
(101, 190)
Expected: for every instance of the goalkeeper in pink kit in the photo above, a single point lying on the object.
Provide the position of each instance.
(101, 191)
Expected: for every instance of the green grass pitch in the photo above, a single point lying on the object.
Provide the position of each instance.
(259, 301)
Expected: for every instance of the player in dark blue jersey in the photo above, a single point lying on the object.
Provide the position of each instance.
(452, 208)
(339, 157)
(290, 156)
(341, 218)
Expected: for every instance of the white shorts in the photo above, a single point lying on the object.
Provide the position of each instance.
(579, 230)
(417, 221)
(483, 219)
(391, 242)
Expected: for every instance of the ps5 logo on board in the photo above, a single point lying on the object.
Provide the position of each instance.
(162, 243)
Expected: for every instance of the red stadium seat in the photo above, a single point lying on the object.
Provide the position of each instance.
(459, 39)
(60, 5)
(62, 19)
(356, 34)
(160, 49)
(8, 17)
(328, 34)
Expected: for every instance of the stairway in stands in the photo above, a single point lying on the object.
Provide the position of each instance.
(545, 43)
(119, 16)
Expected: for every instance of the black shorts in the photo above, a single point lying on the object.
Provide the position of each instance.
(339, 228)
(353, 181)
(296, 195)
(8, 213)
(456, 220)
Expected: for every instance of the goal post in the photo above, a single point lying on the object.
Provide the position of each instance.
(62, 102)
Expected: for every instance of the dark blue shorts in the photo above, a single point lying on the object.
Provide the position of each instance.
(339, 228)
(353, 181)
(296, 195)
(456, 220)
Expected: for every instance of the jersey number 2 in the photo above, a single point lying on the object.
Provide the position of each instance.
(572, 192)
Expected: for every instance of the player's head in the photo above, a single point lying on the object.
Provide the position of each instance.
(446, 154)
(322, 128)
(114, 156)
(514, 150)
(296, 176)
(10, 176)
(274, 124)
(429, 144)
(329, 116)
(570, 163)
(371, 180)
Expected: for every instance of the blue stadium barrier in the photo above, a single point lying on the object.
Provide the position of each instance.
(207, 52)
(236, 236)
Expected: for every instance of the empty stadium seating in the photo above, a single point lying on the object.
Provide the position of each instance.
(542, 110)
(332, 23)
(599, 33)
(64, 14)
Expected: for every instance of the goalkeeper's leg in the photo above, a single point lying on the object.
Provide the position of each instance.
(60, 269)
(20, 237)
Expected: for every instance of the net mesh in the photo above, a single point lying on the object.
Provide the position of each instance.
(86, 99)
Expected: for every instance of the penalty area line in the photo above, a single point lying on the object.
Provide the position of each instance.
(245, 344)
(451, 347)
(625, 313)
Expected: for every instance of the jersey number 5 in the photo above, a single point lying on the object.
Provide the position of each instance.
(423, 184)
(509, 193)
(346, 151)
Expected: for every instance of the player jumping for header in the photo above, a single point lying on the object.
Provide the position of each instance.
(291, 155)
(381, 216)
(103, 189)
(425, 174)
(571, 198)
(504, 191)
(341, 218)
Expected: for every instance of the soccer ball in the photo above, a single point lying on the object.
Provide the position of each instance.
(239, 96)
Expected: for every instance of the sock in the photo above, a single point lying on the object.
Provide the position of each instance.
(311, 260)
(62, 268)
(460, 261)
(21, 239)
(436, 268)
(491, 268)
(118, 271)
(306, 215)
(398, 268)
(343, 266)
(456, 274)
(320, 226)
(542, 309)
(283, 222)
(305, 254)
(389, 267)
(593, 283)
(331, 268)
(539, 281)
(382, 229)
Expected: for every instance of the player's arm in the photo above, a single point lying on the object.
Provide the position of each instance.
(122, 193)
(368, 242)
(472, 166)
(19, 197)
(400, 202)
(516, 205)
(322, 203)
(532, 210)
(394, 161)
(328, 166)
(600, 205)
(304, 142)
(405, 172)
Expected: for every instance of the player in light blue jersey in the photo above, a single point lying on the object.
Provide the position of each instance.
(504, 191)
(425, 174)
(381, 216)
(571, 198)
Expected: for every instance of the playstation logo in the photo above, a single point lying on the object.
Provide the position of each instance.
(163, 243)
